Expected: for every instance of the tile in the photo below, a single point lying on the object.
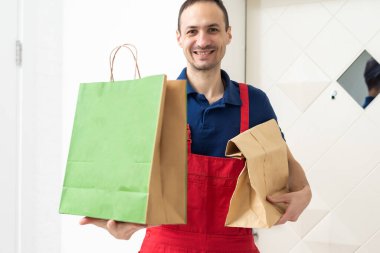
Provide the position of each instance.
(303, 82)
(334, 49)
(322, 124)
(283, 235)
(367, 11)
(347, 163)
(360, 210)
(372, 245)
(352, 223)
(312, 215)
(285, 2)
(333, 6)
(308, 220)
(332, 234)
(286, 111)
(373, 46)
(275, 12)
(273, 8)
(304, 21)
(318, 247)
(260, 19)
(301, 247)
(317, 202)
(277, 52)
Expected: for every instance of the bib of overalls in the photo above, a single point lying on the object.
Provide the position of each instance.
(211, 182)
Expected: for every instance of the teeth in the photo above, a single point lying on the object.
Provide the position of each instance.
(203, 53)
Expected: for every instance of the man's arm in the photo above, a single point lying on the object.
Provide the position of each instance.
(300, 193)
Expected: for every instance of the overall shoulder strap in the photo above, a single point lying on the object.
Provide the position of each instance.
(244, 110)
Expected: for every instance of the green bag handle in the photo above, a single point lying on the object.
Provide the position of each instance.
(113, 56)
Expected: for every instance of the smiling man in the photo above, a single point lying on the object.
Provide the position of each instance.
(203, 33)
(218, 110)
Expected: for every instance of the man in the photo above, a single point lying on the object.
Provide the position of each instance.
(214, 117)
(372, 79)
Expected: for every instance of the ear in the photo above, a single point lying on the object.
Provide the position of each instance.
(229, 35)
(178, 34)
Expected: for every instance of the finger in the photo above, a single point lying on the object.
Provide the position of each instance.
(84, 221)
(112, 229)
(94, 221)
(281, 221)
(279, 199)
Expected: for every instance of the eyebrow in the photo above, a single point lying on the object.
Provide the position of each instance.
(194, 26)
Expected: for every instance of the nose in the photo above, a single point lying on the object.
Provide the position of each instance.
(203, 39)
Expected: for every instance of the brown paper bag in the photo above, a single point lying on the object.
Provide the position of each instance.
(170, 180)
(265, 173)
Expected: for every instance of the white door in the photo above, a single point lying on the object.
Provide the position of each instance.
(9, 104)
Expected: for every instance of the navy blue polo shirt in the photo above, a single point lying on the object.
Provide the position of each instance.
(212, 125)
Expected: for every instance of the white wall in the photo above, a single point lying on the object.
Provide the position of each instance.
(41, 105)
(9, 132)
(297, 49)
(30, 130)
(91, 29)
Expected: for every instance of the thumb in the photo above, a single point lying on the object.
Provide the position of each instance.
(111, 225)
(84, 221)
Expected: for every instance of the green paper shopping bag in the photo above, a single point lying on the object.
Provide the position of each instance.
(127, 159)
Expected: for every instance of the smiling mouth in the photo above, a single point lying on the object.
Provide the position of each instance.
(207, 52)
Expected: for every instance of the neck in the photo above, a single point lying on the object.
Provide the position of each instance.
(209, 83)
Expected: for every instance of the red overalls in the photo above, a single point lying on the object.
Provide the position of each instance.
(211, 182)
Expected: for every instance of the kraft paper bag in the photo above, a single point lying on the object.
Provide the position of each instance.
(127, 159)
(265, 173)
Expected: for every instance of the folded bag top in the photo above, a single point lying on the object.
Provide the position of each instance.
(127, 157)
(265, 173)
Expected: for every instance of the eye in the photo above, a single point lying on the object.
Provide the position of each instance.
(191, 32)
(213, 30)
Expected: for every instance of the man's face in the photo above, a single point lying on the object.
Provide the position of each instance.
(203, 36)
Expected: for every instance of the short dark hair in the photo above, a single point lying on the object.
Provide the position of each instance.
(189, 3)
(372, 73)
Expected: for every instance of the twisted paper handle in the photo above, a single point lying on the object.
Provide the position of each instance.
(113, 56)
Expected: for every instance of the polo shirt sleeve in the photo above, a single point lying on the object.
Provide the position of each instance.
(260, 108)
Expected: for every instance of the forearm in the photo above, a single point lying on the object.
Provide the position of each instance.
(299, 195)
(297, 178)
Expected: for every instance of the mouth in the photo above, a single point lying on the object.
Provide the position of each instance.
(203, 52)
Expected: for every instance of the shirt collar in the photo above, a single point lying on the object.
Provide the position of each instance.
(367, 101)
(231, 93)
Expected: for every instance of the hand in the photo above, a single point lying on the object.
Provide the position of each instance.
(120, 230)
(296, 203)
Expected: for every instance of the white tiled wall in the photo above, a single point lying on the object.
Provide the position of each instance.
(296, 51)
